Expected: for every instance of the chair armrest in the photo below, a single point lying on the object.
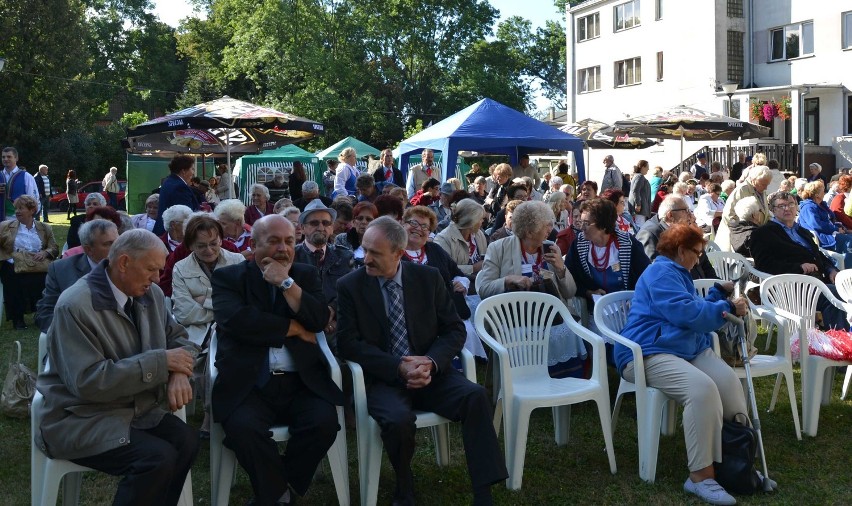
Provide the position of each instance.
(635, 350)
(359, 390)
(717, 348)
(333, 366)
(500, 353)
(468, 365)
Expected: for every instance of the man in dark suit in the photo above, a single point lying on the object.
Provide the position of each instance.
(271, 370)
(310, 192)
(96, 237)
(333, 263)
(398, 322)
(782, 247)
(386, 172)
(673, 210)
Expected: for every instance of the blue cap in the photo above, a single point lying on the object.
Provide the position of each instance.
(702, 155)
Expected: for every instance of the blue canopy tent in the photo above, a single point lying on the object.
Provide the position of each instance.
(489, 127)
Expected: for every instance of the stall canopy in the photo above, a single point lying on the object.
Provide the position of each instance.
(252, 169)
(489, 127)
(362, 149)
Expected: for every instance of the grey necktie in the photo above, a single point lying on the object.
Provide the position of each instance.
(396, 315)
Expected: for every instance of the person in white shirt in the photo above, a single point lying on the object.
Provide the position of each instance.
(147, 219)
(681, 190)
(13, 184)
(708, 212)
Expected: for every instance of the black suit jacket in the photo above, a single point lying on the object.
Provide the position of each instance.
(249, 323)
(363, 328)
(649, 236)
(174, 191)
(60, 276)
(775, 253)
(42, 191)
(379, 177)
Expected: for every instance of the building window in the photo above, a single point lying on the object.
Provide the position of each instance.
(588, 27)
(626, 15)
(792, 41)
(811, 121)
(735, 8)
(589, 79)
(659, 66)
(849, 115)
(736, 66)
(658, 10)
(847, 29)
(732, 108)
(628, 72)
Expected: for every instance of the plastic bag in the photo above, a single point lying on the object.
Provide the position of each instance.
(833, 345)
(18, 388)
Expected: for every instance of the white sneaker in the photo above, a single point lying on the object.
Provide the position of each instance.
(709, 491)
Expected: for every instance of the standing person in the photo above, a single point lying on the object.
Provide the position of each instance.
(386, 172)
(175, 189)
(14, 182)
(398, 322)
(328, 177)
(118, 364)
(757, 180)
(639, 201)
(700, 166)
(271, 369)
(45, 191)
(346, 173)
(71, 185)
(523, 168)
(424, 170)
(22, 239)
(737, 169)
(297, 178)
(815, 171)
(612, 178)
(225, 185)
(110, 184)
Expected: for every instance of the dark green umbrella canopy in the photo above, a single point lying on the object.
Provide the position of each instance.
(690, 124)
(598, 135)
(224, 125)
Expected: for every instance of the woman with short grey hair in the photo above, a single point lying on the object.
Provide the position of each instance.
(525, 261)
(173, 219)
(750, 216)
(260, 205)
(755, 185)
(463, 240)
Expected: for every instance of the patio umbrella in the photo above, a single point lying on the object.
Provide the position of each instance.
(598, 135)
(222, 126)
(688, 123)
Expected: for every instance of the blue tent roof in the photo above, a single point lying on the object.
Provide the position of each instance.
(490, 127)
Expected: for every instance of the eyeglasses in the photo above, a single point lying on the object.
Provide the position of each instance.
(583, 223)
(316, 223)
(784, 207)
(212, 245)
(417, 225)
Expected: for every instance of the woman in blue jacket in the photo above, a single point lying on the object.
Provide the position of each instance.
(672, 324)
(815, 216)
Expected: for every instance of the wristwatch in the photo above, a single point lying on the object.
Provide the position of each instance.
(286, 284)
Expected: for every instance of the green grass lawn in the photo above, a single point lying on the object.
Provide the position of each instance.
(811, 471)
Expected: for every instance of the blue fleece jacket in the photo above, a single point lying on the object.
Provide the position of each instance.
(818, 218)
(668, 316)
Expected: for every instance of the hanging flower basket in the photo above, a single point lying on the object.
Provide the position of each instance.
(769, 110)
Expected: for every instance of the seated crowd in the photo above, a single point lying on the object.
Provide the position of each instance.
(265, 278)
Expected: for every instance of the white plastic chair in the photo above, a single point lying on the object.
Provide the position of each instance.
(610, 316)
(516, 326)
(839, 259)
(47, 473)
(794, 298)
(780, 364)
(843, 283)
(369, 434)
(711, 246)
(223, 462)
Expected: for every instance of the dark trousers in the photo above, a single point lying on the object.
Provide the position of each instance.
(154, 464)
(45, 206)
(21, 291)
(832, 317)
(112, 200)
(452, 396)
(312, 422)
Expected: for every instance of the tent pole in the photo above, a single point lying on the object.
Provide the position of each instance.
(682, 167)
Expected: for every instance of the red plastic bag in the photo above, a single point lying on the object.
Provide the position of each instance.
(833, 344)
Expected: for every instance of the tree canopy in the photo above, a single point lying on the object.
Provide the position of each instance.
(367, 68)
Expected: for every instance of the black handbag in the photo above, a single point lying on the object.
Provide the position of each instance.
(736, 473)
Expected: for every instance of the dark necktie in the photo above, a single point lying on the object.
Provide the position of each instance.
(396, 316)
(128, 310)
(319, 256)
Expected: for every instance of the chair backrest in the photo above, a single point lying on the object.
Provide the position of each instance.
(711, 246)
(521, 323)
(728, 265)
(843, 283)
(611, 312)
(793, 293)
(703, 286)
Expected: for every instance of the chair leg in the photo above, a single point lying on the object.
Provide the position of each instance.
(812, 385)
(441, 435)
(369, 461)
(616, 409)
(50, 487)
(846, 382)
(791, 392)
(828, 385)
(606, 427)
(498, 415)
(71, 485)
(517, 427)
(775, 392)
(669, 418)
(186, 494)
(649, 419)
(338, 462)
(562, 424)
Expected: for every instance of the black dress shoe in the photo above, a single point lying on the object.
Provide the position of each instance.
(20, 325)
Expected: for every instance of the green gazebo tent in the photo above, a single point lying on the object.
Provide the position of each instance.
(262, 167)
(361, 148)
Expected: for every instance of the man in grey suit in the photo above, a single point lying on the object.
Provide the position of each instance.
(96, 237)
